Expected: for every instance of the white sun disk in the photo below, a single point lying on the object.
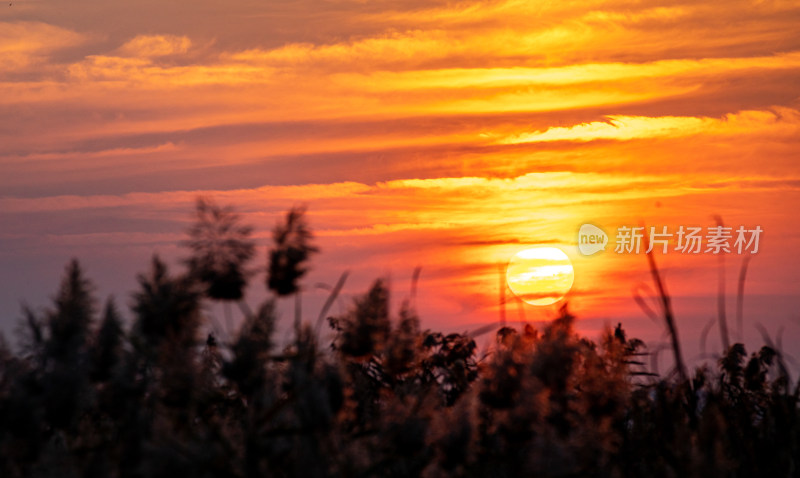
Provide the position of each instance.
(541, 275)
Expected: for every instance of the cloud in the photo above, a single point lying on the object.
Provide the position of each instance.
(25, 45)
(149, 46)
(431, 203)
(577, 73)
(783, 121)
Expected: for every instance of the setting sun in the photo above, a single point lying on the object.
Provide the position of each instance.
(541, 275)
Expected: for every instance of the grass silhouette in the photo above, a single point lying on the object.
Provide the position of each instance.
(87, 396)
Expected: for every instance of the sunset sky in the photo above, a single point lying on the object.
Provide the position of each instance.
(446, 135)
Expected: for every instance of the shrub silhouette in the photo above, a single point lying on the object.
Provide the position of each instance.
(221, 249)
(292, 250)
(92, 396)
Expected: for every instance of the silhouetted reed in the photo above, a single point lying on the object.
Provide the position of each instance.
(90, 394)
(221, 249)
(292, 249)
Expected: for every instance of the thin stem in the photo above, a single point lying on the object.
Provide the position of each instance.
(723, 321)
(331, 298)
(669, 318)
(740, 298)
(502, 284)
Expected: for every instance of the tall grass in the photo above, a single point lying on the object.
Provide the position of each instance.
(88, 394)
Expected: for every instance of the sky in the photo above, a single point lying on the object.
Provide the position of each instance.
(442, 135)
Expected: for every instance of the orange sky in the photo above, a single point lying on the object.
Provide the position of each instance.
(448, 135)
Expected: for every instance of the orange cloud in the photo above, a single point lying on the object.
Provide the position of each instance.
(24, 45)
(149, 46)
(619, 127)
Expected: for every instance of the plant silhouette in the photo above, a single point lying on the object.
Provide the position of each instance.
(221, 249)
(293, 248)
(91, 393)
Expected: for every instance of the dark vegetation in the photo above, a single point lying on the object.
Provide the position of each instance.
(89, 395)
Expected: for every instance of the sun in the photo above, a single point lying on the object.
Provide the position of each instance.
(540, 275)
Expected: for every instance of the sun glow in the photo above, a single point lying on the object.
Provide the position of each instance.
(541, 275)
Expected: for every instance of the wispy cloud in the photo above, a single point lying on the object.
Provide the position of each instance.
(156, 45)
(785, 122)
(28, 45)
